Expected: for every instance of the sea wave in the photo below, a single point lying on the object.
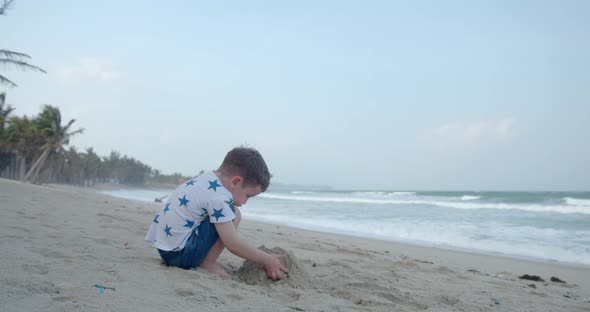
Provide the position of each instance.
(470, 197)
(404, 193)
(369, 193)
(302, 192)
(577, 201)
(382, 194)
(566, 209)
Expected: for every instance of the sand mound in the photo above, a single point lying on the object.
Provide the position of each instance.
(253, 274)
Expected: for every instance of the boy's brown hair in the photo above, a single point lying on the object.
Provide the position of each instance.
(247, 163)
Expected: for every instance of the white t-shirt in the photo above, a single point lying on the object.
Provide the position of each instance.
(187, 207)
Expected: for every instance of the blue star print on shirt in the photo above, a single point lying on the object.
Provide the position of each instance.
(213, 185)
(167, 230)
(156, 219)
(230, 202)
(204, 212)
(189, 224)
(184, 201)
(191, 182)
(167, 208)
(217, 214)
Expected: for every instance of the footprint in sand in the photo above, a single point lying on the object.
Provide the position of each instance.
(35, 268)
(380, 293)
(110, 270)
(184, 292)
(41, 287)
(19, 228)
(189, 294)
(65, 298)
(295, 296)
(55, 236)
(49, 253)
(235, 296)
(110, 218)
(101, 241)
(449, 300)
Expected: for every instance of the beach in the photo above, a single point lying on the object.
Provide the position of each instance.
(72, 249)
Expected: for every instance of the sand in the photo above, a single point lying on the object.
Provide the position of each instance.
(72, 249)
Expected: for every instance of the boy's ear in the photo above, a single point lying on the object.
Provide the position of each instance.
(236, 180)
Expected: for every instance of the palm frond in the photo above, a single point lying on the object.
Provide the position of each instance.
(66, 138)
(5, 112)
(21, 64)
(81, 130)
(67, 127)
(13, 54)
(4, 80)
(4, 6)
(71, 134)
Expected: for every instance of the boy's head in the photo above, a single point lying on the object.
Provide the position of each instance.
(247, 172)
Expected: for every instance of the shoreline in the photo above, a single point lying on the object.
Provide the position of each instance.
(60, 242)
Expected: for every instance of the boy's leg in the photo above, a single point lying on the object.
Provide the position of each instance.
(210, 261)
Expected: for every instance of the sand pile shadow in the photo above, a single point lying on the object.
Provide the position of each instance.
(253, 274)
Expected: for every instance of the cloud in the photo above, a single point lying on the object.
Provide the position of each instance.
(89, 69)
(471, 133)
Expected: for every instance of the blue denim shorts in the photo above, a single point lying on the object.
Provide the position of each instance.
(196, 249)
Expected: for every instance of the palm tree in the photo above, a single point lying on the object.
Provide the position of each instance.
(4, 112)
(72, 168)
(21, 137)
(56, 137)
(14, 58)
(6, 155)
(90, 166)
(110, 168)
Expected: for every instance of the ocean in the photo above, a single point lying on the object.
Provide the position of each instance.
(548, 226)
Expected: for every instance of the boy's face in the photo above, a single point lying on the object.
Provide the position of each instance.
(241, 192)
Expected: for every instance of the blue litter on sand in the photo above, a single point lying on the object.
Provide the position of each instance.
(101, 288)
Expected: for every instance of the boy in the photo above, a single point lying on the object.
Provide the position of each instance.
(196, 224)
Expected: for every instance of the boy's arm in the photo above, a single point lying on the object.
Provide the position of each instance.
(230, 238)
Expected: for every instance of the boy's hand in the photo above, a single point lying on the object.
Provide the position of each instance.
(273, 267)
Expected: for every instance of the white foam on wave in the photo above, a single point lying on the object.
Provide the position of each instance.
(369, 193)
(470, 197)
(382, 194)
(577, 201)
(404, 193)
(567, 209)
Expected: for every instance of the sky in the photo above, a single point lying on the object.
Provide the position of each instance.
(382, 95)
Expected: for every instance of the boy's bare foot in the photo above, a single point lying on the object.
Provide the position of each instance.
(215, 269)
